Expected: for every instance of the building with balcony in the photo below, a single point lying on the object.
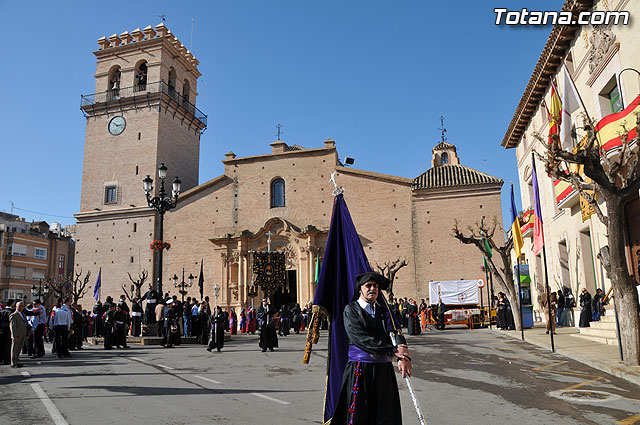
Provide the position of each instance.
(29, 253)
(593, 58)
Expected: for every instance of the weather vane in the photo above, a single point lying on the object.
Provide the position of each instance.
(279, 128)
(442, 129)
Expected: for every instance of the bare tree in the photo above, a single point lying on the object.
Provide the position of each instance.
(389, 270)
(70, 285)
(142, 277)
(503, 272)
(614, 179)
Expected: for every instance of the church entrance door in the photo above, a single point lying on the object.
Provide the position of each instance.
(288, 298)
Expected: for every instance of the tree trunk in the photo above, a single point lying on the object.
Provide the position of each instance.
(624, 287)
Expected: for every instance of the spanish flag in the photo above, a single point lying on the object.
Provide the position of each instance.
(610, 127)
(516, 233)
(555, 114)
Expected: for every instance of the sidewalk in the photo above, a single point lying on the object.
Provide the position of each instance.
(599, 356)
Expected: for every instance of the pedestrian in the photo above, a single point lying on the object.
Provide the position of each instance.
(194, 331)
(216, 335)
(597, 305)
(233, 321)
(150, 312)
(560, 298)
(203, 323)
(267, 328)
(136, 316)
(442, 309)
(159, 312)
(5, 332)
(585, 308)
(569, 304)
(369, 393)
(120, 319)
(186, 317)
(550, 310)
(414, 327)
(108, 326)
(19, 327)
(296, 318)
(243, 321)
(283, 328)
(252, 321)
(38, 327)
(62, 321)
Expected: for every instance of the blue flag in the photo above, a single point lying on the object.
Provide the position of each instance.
(344, 258)
(96, 288)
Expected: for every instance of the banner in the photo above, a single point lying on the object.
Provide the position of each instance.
(454, 292)
(269, 271)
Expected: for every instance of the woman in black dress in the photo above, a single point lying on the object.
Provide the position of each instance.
(585, 305)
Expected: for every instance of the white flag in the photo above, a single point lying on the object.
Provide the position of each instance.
(570, 104)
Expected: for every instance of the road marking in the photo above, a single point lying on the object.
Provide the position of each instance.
(630, 420)
(548, 365)
(55, 414)
(207, 379)
(165, 367)
(573, 387)
(25, 373)
(269, 398)
(136, 359)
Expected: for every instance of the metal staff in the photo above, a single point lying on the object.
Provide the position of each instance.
(415, 401)
(394, 341)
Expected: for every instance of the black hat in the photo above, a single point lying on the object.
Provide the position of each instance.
(361, 279)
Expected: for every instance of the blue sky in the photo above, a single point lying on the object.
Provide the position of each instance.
(373, 75)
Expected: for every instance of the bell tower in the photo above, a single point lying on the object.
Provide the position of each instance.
(142, 114)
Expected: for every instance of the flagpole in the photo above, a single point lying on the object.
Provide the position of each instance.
(486, 282)
(544, 262)
(547, 289)
(518, 277)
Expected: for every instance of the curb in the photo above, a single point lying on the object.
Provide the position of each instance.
(618, 370)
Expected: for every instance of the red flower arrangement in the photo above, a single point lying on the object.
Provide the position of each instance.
(158, 245)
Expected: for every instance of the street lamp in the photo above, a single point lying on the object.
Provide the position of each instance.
(39, 293)
(216, 293)
(161, 203)
(182, 284)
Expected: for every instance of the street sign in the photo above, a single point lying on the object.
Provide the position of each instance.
(481, 283)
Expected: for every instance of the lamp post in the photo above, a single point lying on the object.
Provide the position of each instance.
(161, 203)
(39, 293)
(182, 284)
(216, 293)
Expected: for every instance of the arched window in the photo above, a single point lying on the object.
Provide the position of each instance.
(186, 89)
(277, 193)
(445, 158)
(141, 77)
(172, 81)
(113, 89)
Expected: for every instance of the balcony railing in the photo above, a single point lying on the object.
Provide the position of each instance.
(141, 90)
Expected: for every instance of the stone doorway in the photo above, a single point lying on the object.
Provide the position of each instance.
(289, 298)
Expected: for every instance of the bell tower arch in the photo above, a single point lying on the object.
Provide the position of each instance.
(135, 121)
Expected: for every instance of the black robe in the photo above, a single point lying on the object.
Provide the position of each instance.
(216, 335)
(150, 308)
(268, 336)
(414, 321)
(376, 400)
(585, 313)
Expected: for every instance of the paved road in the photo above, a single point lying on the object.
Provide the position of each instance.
(460, 376)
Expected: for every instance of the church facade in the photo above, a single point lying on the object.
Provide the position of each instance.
(281, 198)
